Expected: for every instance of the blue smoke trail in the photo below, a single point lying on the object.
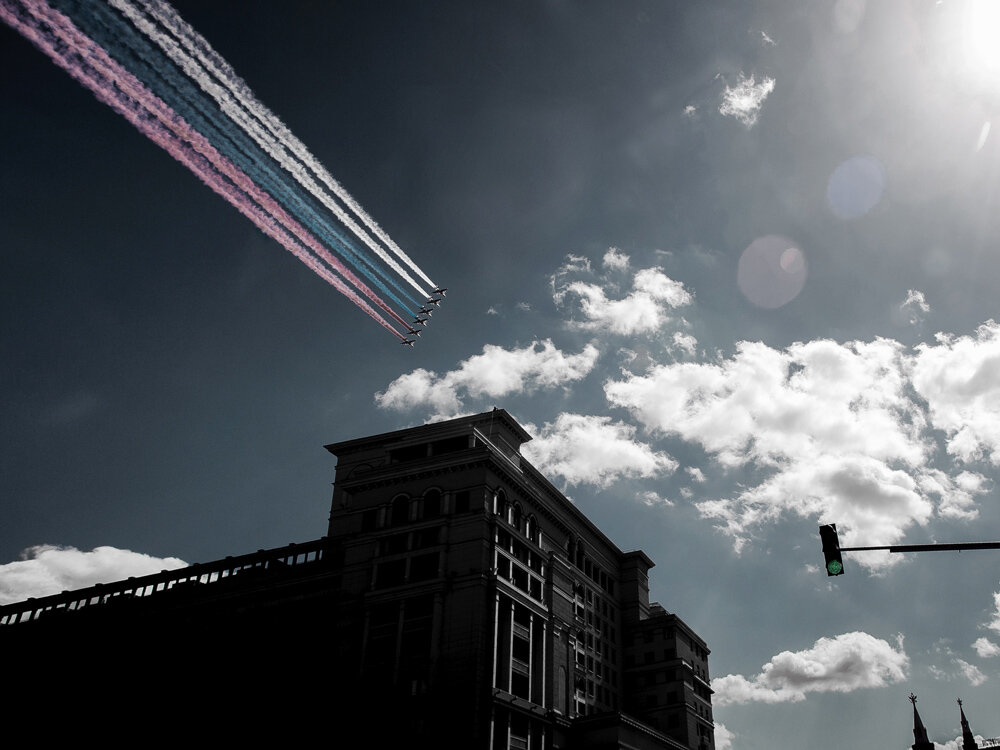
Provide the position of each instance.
(136, 53)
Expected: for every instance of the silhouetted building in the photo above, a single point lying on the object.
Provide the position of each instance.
(968, 741)
(458, 600)
(920, 741)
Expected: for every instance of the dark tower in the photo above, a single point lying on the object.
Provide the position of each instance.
(920, 741)
(968, 741)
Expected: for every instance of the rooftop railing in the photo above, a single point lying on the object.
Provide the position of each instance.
(101, 594)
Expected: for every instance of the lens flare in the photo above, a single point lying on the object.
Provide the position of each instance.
(855, 187)
(771, 271)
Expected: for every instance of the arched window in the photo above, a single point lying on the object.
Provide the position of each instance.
(515, 517)
(531, 529)
(432, 503)
(501, 504)
(400, 510)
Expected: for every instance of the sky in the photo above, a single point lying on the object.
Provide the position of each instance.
(734, 266)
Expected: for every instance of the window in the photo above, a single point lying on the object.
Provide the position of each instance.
(369, 519)
(500, 504)
(424, 567)
(390, 573)
(515, 517)
(400, 510)
(432, 504)
(462, 501)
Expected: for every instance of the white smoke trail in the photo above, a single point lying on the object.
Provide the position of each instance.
(214, 63)
(90, 64)
(262, 138)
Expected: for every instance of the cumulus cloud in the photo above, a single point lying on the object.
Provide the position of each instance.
(644, 310)
(957, 743)
(831, 426)
(690, 110)
(615, 259)
(994, 623)
(971, 672)
(723, 737)
(685, 342)
(47, 569)
(654, 500)
(494, 373)
(593, 450)
(847, 662)
(960, 378)
(914, 307)
(986, 648)
(744, 100)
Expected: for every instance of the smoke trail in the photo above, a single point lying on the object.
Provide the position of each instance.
(166, 15)
(105, 24)
(57, 37)
(265, 141)
(195, 70)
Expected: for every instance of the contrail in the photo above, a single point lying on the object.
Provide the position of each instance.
(196, 69)
(226, 101)
(214, 62)
(85, 61)
(124, 42)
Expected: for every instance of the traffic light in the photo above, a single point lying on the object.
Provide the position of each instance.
(831, 550)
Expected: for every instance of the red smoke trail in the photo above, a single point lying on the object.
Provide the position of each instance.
(166, 15)
(194, 65)
(91, 66)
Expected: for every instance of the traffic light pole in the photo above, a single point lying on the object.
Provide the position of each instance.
(835, 563)
(926, 547)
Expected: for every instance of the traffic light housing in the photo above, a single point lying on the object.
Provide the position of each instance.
(831, 550)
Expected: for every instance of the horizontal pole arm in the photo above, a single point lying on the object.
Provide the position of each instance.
(926, 547)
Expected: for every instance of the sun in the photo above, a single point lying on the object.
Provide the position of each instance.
(981, 40)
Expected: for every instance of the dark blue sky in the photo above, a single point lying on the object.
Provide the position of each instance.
(170, 375)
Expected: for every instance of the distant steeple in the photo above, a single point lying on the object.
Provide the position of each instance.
(920, 741)
(968, 741)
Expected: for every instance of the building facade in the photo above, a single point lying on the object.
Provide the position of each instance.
(458, 600)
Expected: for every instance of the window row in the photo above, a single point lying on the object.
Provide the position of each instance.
(403, 509)
(509, 570)
(514, 515)
(406, 570)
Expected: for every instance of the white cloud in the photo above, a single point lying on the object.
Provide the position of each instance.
(971, 672)
(494, 373)
(744, 100)
(644, 310)
(654, 499)
(767, 41)
(994, 624)
(524, 306)
(615, 259)
(697, 475)
(492, 311)
(914, 307)
(957, 743)
(593, 450)
(47, 569)
(723, 737)
(686, 342)
(986, 648)
(960, 378)
(845, 663)
(831, 425)
(690, 110)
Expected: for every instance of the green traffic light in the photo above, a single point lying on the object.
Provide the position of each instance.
(834, 567)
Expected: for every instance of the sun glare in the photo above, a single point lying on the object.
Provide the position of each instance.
(982, 40)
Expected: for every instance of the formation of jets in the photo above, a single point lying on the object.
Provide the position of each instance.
(426, 312)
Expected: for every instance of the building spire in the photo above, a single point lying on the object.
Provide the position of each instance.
(920, 741)
(968, 741)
